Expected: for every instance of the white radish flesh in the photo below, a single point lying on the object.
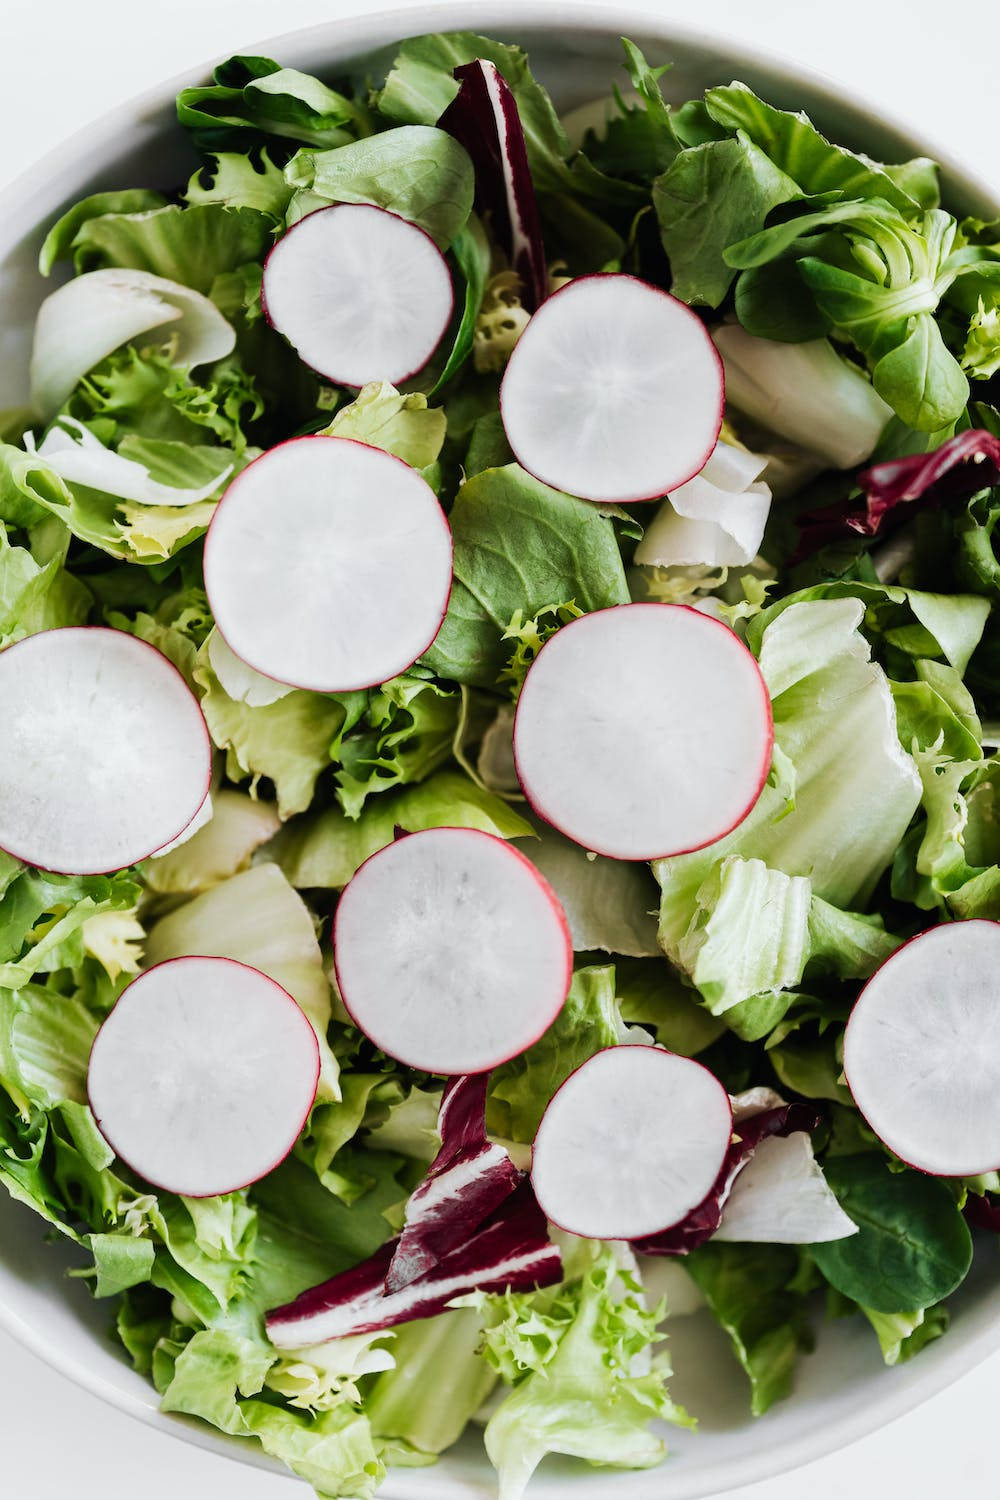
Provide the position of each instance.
(359, 293)
(922, 1050)
(328, 564)
(203, 1075)
(105, 754)
(452, 952)
(631, 1142)
(643, 731)
(614, 391)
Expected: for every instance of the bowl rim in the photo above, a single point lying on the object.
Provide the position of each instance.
(366, 32)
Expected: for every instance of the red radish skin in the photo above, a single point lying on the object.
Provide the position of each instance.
(483, 117)
(957, 1009)
(278, 316)
(225, 583)
(468, 1179)
(702, 1222)
(511, 1252)
(531, 427)
(439, 1054)
(621, 1152)
(297, 1033)
(200, 740)
(755, 785)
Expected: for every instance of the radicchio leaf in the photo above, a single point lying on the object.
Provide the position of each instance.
(466, 1181)
(483, 118)
(752, 1124)
(983, 1211)
(955, 471)
(511, 1252)
(959, 469)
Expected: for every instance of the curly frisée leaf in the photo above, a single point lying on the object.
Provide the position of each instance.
(588, 1382)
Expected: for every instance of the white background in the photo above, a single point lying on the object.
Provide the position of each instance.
(931, 64)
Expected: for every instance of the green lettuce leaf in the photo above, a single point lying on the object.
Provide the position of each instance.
(439, 1382)
(253, 98)
(521, 1089)
(593, 1388)
(401, 424)
(38, 594)
(323, 849)
(289, 741)
(519, 545)
(416, 171)
(751, 1291)
(191, 245)
(912, 1247)
(709, 197)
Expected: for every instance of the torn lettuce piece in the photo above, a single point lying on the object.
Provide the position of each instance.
(854, 787)
(288, 740)
(323, 849)
(588, 1382)
(239, 824)
(439, 1381)
(87, 319)
(403, 425)
(610, 904)
(416, 172)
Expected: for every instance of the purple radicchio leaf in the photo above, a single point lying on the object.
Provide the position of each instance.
(751, 1127)
(467, 1180)
(983, 1211)
(957, 470)
(483, 118)
(510, 1252)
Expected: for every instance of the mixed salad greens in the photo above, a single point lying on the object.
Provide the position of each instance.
(842, 527)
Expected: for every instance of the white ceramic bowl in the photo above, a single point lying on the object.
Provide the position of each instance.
(843, 1391)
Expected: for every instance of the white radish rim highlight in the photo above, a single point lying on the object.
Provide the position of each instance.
(328, 564)
(360, 293)
(643, 731)
(106, 757)
(922, 1050)
(452, 952)
(614, 391)
(202, 1077)
(630, 1143)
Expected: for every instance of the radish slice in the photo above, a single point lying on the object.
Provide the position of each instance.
(922, 1050)
(512, 1252)
(104, 750)
(452, 951)
(643, 731)
(613, 392)
(203, 1075)
(467, 1180)
(483, 118)
(630, 1143)
(328, 564)
(359, 293)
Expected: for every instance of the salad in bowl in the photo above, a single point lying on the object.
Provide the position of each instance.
(498, 797)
